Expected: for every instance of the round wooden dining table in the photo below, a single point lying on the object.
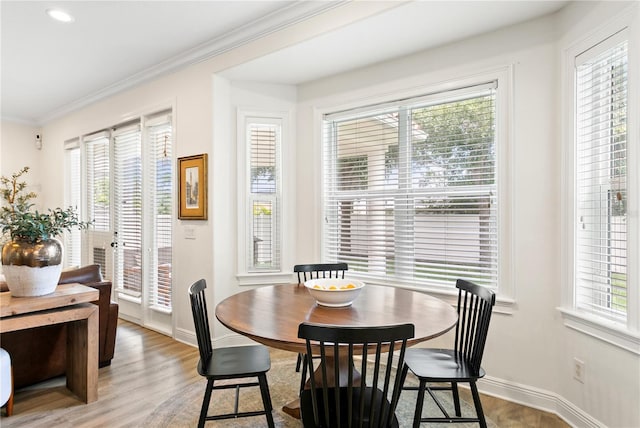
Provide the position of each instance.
(271, 314)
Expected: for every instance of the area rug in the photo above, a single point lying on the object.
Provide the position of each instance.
(183, 410)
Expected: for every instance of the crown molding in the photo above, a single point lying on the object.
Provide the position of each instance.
(268, 24)
(20, 121)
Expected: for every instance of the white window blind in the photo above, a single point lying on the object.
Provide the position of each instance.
(134, 246)
(98, 180)
(128, 206)
(264, 138)
(410, 189)
(601, 180)
(73, 239)
(160, 176)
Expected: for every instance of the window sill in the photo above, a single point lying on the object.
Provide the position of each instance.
(504, 305)
(129, 297)
(266, 278)
(161, 309)
(606, 331)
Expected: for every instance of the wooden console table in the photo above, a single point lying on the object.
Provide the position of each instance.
(68, 304)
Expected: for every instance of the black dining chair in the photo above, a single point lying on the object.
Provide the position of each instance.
(366, 397)
(320, 270)
(233, 363)
(458, 365)
(314, 271)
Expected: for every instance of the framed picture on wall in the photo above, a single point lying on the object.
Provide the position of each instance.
(192, 190)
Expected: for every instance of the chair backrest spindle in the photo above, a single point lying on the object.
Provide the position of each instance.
(368, 398)
(320, 270)
(201, 319)
(474, 314)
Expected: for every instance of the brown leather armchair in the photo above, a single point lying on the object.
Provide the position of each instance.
(40, 353)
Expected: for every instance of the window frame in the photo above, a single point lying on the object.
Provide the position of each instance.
(623, 335)
(73, 197)
(127, 144)
(245, 275)
(141, 125)
(503, 134)
(150, 125)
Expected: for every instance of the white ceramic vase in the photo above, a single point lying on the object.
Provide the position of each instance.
(32, 269)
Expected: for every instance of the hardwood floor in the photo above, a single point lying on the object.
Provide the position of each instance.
(511, 415)
(150, 368)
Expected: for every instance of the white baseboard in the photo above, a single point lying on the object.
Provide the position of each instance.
(129, 318)
(186, 336)
(232, 339)
(538, 399)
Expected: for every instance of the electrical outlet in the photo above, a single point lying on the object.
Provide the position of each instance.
(578, 370)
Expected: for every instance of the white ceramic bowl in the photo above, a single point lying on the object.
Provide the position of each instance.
(334, 292)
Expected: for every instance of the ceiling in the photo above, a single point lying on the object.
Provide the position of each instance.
(51, 68)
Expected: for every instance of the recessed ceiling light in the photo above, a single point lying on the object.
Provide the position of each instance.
(60, 15)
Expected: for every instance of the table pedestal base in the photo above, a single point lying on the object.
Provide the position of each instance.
(293, 408)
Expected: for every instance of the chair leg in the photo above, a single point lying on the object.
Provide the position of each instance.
(266, 399)
(298, 362)
(419, 402)
(403, 375)
(303, 377)
(205, 403)
(478, 404)
(456, 398)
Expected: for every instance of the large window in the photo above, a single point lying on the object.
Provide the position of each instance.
(128, 205)
(601, 185)
(265, 159)
(161, 176)
(97, 179)
(98, 188)
(73, 195)
(602, 170)
(411, 189)
(263, 138)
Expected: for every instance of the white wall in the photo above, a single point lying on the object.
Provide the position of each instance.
(529, 352)
(611, 391)
(190, 91)
(530, 50)
(228, 99)
(17, 150)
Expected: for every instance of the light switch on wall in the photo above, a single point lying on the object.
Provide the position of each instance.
(189, 233)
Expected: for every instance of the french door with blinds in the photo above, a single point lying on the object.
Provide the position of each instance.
(129, 176)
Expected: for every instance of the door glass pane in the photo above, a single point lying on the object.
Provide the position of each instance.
(161, 176)
(128, 209)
